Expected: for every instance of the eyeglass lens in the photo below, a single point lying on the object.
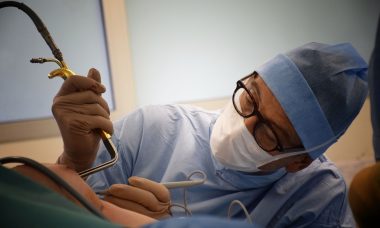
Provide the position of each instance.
(245, 105)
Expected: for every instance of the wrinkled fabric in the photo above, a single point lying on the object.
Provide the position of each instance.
(168, 143)
(200, 222)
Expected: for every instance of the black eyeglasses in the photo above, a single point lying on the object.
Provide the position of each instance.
(245, 104)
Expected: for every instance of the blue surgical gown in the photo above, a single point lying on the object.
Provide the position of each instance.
(168, 143)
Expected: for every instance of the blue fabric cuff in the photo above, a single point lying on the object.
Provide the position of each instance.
(299, 103)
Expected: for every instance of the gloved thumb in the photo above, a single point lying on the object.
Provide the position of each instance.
(94, 74)
(157, 189)
(132, 195)
(141, 195)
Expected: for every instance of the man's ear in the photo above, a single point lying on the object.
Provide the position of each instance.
(299, 163)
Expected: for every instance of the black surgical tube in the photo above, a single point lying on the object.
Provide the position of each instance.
(39, 25)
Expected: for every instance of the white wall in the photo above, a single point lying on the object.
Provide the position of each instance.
(198, 49)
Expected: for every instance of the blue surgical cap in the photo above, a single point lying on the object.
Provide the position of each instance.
(321, 88)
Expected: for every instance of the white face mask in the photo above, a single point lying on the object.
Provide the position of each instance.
(235, 147)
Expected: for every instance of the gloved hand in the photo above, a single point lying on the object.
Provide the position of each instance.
(80, 112)
(141, 195)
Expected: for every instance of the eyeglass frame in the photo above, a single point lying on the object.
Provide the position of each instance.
(240, 84)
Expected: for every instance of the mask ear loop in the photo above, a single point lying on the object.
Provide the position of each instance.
(243, 207)
(289, 154)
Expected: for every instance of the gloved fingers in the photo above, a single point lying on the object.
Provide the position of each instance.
(137, 195)
(133, 206)
(78, 83)
(85, 109)
(82, 118)
(94, 74)
(158, 189)
(79, 98)
(96, 122)
(84, 124)
(99, 122)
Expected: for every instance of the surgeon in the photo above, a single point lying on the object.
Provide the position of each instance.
(263, 150)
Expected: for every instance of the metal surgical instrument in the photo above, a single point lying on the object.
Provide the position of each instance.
(187, 183)
(64, 72)
(182, 184)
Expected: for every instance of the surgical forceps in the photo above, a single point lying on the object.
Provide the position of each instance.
(64, 72)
